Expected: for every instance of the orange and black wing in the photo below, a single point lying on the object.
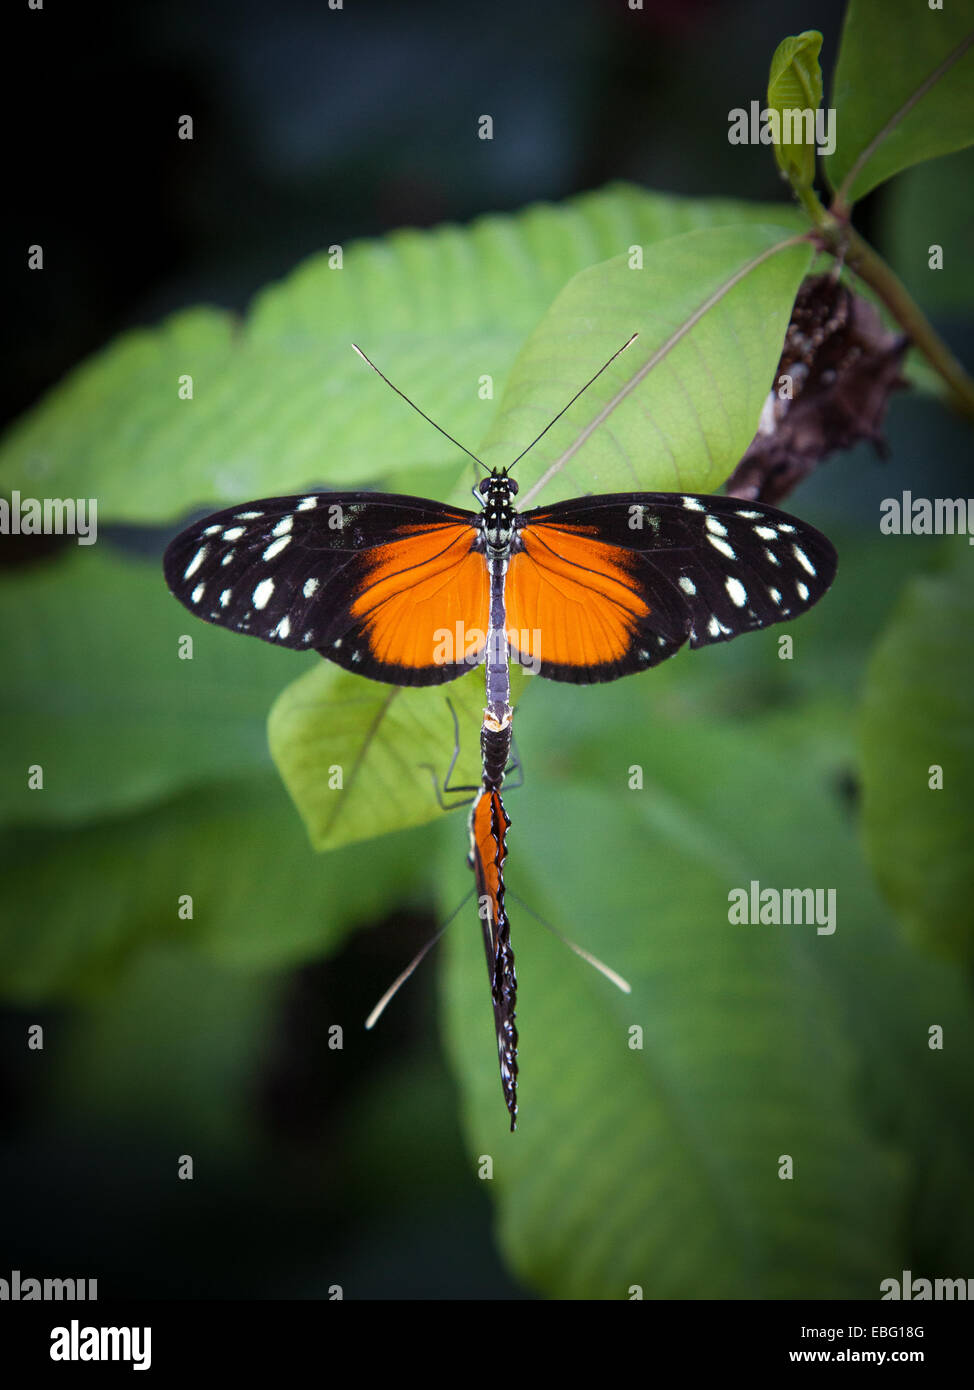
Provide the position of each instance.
(489, 824)
(382, 584)
(604, 586)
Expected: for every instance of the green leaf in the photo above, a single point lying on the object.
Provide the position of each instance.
(356, 757)
(917, 717)
(658, 1165)
(903, 91)
(77, 904)
(281, 403)
(795, 83)
(678, 408)
(359, 758)
(95, 692)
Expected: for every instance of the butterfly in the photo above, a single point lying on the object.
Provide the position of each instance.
(413, 592)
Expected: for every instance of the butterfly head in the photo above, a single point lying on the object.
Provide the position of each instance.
(497, 495)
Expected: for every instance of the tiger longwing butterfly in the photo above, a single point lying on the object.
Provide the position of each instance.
(413, 592)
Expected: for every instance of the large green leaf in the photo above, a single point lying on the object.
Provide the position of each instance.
(76, 904)
(360, 758)
(917, 717)
(903, 90)
(712, 308)
(280, 402)
(658, 1167)
(95, 692)
(678, 408)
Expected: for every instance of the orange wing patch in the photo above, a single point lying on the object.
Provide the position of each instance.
(488, 833)
(424, 601)
(571, 600)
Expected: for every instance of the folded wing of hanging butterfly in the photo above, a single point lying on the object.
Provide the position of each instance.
(489, 824)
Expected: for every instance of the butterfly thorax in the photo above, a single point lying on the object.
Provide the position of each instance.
(498, 520)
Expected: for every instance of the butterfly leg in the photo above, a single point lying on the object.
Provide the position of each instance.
(446, 788)
(515, 766)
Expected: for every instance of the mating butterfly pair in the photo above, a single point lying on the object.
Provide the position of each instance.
(413, 592)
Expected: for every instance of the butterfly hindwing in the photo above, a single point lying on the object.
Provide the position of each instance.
(681, 568)
(372, 581)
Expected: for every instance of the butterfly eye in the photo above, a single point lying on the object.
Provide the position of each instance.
(511, 483)
(482, 486)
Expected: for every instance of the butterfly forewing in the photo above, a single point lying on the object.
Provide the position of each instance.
(372, 581)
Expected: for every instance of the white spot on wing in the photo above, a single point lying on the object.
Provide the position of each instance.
(227, 558)
(749, 516)
(802, 558)
(766, 533)
(247, 516)
(233, 533)
(197, 593)
(772, 557)
(309, 587)
(723, 547)
(692, 505)
(775, 594)
(275, 548)
(687, 584)
(283, 526)
(211, 530)
(737, 591)
(802, 591)
(307, 504)
(195, 563)
(715, 527)
(713, 627)
(224, 598)
(263, 592)
(283, 628)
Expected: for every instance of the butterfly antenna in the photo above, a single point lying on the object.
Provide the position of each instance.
(418, 411)
(400, 980)
(572, 401)
(594, 961)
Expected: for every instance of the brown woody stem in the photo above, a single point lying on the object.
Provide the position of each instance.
(834, 234)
